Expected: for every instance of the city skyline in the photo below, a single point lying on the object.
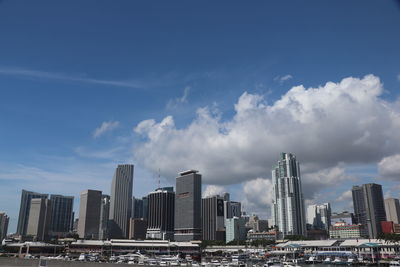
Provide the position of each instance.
(234, 85)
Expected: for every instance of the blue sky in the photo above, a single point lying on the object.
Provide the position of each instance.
(67, 67)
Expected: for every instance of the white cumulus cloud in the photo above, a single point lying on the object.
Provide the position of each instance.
(389, 167)
(106, 126)
(337, 123)
(212, 190)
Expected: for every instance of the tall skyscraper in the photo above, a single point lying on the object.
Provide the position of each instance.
(369, 207)
(212, 217)
(104, 214)
(39, 219)
(89, 214)
(26, 197)
(188, 206)
(392, 208)
(288, 203)
(121, 201)
(161, 212)
(319, 216)
(137, 205)
(4, 220)
(235, 229)
(61, 215)
(360, 214)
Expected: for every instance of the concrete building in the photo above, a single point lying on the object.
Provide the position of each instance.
(26, 197)
(188, 206)
(4, 220)
(61, 215)
(392, 208)
(212, 218)
(235, 229)
(319, 216)
(345, 217)
(104, 214)
(369, 207)
(257, 225)
(137, 229)
(39, 219)
(288, 202)
(341, 230)
(89, 214)
(271, 235)
(160, 224)
(121, 201)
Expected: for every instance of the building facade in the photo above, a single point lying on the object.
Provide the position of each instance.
(39, 219)
(161, 211)
(235, 229)
(4, 220)
(26, 197)
(89, 214)
(137, 228)
(288, 203)
(212, 218)
(369, 208)
(340, 230)
(319, 216)
(121, 201)
(104, 214)
(392, 208)
(188, 206)
(61, 215)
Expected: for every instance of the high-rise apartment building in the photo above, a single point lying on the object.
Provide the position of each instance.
(61, 215)
(319, 216)
(392, 208)
(4, 220)
(160, 224)
(288, 203)
(121, 201)
(104, 214)
(39, 219)
(26, 197)
(213, 219)
(89, 214)
(188, 206)
(369, 207)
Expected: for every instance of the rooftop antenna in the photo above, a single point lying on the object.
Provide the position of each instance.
(159, 182)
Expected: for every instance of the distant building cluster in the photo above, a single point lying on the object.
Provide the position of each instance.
(183, 215)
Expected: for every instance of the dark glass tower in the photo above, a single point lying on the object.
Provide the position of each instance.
(188, 206)
(61, 214)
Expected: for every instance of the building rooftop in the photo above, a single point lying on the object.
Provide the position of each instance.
(188, 172)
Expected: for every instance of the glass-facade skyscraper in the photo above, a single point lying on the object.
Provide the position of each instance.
(26, 197)
(288, 202)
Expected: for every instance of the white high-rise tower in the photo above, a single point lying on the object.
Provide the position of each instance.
(288, 203)
(121, 201)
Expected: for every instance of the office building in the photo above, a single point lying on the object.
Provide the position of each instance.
(145, 207)
(188, 206)
(39, 219)
(392, 208)
(104, 214)
(341, 230)
(232, 209)
(360, 214)
(373, 212)
(344, 217)
(89, 214)
(26, 197)
(319, 216)
(160, 224)
(4, 220)
(137, 205)
(121, 201)
(61, 215)
(288, 203)
(212, 218)
(235, 229)
(138, 228)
